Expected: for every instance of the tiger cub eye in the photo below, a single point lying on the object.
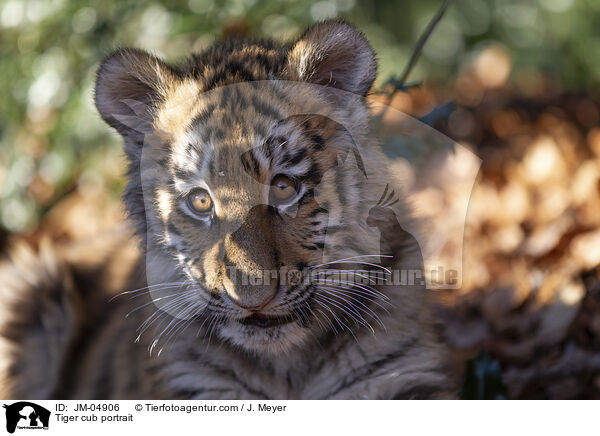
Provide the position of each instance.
(200, 201)
(283, 188)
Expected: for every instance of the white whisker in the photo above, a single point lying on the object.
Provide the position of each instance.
(145, 288)
(347, 310)
(332, 292)
(368, 289)
(353, 257)
(149, 303)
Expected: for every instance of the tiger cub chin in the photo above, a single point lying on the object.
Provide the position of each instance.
(269, 231)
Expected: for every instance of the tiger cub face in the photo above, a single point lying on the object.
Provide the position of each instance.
(238, 178)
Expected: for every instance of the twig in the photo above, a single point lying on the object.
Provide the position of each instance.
(400, 84)
(423, 40)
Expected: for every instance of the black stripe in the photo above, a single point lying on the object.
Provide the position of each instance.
(250, 163)
(423, 392)
(318, 141)
(272, 143)
(203, 116)
(172, 229)
(265, 109)
(313, 174)
(183, 174)
(316, 212)
(365, 371)
(231, 73)
(296, 159)
(186, 394)
(228, 373)
(308, 195)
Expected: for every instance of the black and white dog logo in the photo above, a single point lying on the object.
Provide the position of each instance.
(26, 415)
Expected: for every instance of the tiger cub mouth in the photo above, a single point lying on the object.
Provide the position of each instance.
(266, 321)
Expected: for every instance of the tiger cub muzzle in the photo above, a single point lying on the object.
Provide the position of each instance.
(250, 260)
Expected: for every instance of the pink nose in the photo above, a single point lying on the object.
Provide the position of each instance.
(259, 307)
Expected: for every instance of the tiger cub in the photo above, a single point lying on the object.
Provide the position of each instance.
(268, 231)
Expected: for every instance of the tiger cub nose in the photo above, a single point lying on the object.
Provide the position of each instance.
(256, 308)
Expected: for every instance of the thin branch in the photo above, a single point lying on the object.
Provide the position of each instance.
(423, 40)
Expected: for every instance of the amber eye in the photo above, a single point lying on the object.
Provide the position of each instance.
(283, 188)
(200, 202)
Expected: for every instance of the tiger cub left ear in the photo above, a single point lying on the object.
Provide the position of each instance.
(333, 53)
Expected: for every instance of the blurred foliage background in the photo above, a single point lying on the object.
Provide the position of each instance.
(53, 142)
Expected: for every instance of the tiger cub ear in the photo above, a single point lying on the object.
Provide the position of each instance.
(333, 53)
(129, 86)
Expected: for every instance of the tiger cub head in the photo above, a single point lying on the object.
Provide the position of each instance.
(247, 162)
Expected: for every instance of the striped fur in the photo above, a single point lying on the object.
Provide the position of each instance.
(227, 121)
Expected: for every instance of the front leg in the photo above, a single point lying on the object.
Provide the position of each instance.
(403, 361)
(216, 375)
(418, 375)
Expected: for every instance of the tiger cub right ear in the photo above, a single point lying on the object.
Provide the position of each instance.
(129, 86)
(333, 53)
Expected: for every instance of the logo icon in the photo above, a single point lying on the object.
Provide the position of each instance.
(26, 415)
